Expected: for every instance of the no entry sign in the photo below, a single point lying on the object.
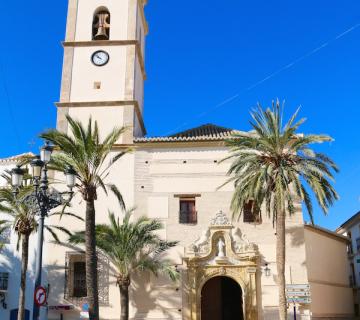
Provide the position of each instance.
(40, 296)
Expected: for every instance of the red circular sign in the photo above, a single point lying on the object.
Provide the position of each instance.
(40, 296)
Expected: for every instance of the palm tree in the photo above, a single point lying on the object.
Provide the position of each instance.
(132, 247)
(276, 167)
(90, 157)
(24, 222)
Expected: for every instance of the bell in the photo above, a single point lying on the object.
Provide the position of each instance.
(102, 26)
(101, 34)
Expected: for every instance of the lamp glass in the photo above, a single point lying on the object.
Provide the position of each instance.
(17, 176)
(36, 171)
(70, 180)
(70, 175)
(45, 153)
(36, 166)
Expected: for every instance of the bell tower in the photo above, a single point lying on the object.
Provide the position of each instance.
(104, 69)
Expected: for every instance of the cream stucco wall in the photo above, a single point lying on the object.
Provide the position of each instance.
(162, 174)
(111, 76)
(326, 260)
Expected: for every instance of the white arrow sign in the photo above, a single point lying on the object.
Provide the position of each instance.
(298, 293)
(291, 287)
(305, 300)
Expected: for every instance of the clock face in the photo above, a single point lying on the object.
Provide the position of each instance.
(100, 58)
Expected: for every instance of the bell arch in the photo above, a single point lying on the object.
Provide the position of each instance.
(101, 24)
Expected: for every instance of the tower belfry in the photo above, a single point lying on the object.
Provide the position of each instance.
(104, 69)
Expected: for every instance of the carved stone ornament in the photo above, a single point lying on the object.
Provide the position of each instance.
(221, 251)
(220, 220)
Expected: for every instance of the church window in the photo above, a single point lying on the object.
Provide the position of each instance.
(101, 25)
(251, 212)
(188, 213)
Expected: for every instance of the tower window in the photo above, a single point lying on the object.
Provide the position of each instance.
(101, 25)
(251, 212)
(188, 214)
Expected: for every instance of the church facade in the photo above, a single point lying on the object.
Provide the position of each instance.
(227, 267)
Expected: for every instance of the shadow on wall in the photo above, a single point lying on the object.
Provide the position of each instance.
(59, 277)
(146, 296)
(297, 235)
(10, 262)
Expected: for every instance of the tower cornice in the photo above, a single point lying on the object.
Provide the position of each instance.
(89, 104)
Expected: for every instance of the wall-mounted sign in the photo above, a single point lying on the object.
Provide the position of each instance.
(298, 293)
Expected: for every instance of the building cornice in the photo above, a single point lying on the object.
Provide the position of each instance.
(89, 104)
(179, 144)
(110, 43)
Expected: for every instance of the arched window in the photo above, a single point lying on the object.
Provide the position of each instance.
(101, 24)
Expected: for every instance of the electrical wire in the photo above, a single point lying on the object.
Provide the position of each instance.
(268, 77)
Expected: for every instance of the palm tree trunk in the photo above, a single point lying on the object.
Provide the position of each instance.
(124, 301)
(91, 261)
(24, 266)
(280, 262)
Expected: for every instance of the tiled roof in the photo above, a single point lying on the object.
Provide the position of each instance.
(206, 132)
(16, 158)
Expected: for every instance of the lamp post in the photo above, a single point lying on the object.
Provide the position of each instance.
(41, 201)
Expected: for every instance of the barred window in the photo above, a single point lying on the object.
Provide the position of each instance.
(79, 280)
(75, 278)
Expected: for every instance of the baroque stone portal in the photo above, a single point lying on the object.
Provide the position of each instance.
(221, 251)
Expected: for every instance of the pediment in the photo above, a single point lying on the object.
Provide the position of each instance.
(221, 244)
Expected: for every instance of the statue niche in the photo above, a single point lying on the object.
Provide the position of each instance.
(101, 25)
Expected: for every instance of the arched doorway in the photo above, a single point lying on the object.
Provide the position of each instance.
(221, 299)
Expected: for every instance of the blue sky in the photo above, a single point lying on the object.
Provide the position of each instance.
(200, 54)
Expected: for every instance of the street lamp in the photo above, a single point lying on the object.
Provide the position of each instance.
(17, 176)
(37, 166)
(41, 201)
(45, 152)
